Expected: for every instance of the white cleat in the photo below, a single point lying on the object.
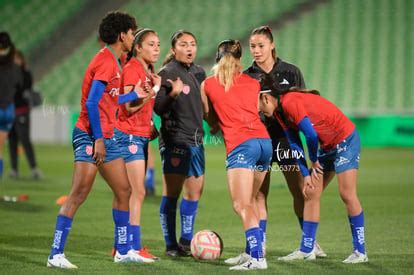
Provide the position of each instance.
(298, 255)
(319, 253)
(130, 257)
(356, 257)
(251, 264)
(60, 261)
(238, 260)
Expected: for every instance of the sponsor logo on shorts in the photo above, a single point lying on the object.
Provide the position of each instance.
(340, 148)
(241, 158)
(342, 161)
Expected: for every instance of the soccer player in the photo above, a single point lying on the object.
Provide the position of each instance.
(10, 79)
(95, 149)
(233, 97)
(321, 122)
(133, 127)
(267, 63)
(179, 105)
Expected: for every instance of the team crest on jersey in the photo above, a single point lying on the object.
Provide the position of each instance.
(186, 89)
(114, 92)
(175, 162)
(133, 148)
(89, 150)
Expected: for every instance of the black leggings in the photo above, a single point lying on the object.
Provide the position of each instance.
(20, 132)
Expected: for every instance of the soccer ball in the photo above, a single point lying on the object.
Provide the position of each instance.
(206, 245)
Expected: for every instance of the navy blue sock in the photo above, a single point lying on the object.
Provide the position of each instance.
(1, 168)
(254, 239)
(262, 225)
(168, 212)
(300, 219)
(188, 212)
(358, 232)
(149, 178)
(308, 236)
(121, 220)
(63, 226)
(135, 236)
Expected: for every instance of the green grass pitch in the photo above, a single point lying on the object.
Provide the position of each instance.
(386, 190)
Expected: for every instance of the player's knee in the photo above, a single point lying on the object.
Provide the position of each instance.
(123, 192)
(240, 207)
(79, 196)
(312, 194)
(138, 194)
(348, 197)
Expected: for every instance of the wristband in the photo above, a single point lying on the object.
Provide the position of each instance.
(156, 88)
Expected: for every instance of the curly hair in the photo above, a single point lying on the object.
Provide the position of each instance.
(113, 24)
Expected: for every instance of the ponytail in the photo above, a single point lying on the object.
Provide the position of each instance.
(226, 69)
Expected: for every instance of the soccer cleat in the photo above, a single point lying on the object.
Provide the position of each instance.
(14, 174)
(319, 253)
(238, 260)
(130, 257)
(251, 264)
(298, 255)
(184, 246)
(146, 256)
(60, 261)
(37, 174)
(356, 257)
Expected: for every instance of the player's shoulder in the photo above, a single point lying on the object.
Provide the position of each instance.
(103, 58)
(253, 71)
(134, 65)
(249, 79)
(284, 65)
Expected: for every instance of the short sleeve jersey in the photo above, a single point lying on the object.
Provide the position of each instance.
(236, 109)
(139, 122)
(330, 124)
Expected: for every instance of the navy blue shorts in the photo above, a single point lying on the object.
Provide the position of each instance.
(344, 157)
(254, 154)
(83, 147)
(184, 160)
(132, 147)
(6, 118)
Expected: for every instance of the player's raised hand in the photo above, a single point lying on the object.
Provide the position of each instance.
(99, 151)
(177, 87)
(139, 90)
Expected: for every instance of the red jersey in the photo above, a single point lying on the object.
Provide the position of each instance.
(139, 122)
(331, 125)
(104, 66)
(236, 109)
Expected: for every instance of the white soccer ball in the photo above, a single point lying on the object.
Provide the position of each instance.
(206, 245)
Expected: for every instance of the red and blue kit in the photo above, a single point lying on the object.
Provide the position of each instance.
(139, 122)
(331, 125)
(237, 109)
(103, 67)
